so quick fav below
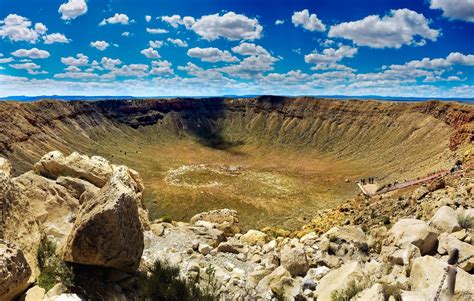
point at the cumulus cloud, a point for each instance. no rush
(125, 34)
(30, 67)
(307, 21)
(398, 28)
(116, 19)
(454, 58)
(155, 44)
(148, 18)
(150, 53)
(250, 49)
(455, 9)
(279, 22)
(161, 68)
(109, 63)
(79, 60)
(330, 55)
(174, 20)
(231, 26)
(33, 53)
(17, 28)
(41, 28)
(156, 30)
(212, 55)
(55, 38)
(178, 42)
(72, 9)
(100, 45)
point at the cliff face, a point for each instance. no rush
(391, 134)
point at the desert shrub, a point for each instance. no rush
(364, 248)
(162, 283)
(466, 221)
(352, 289)
(52, 269)
(167, 219)
(386, 220)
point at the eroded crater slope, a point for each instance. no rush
(276, 160)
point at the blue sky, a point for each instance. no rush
(291, 47)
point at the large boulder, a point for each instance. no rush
(426, 275)
(107, 231)
(225, 220)
(412, 231)
(5, 166)
(19, 221)
(293, 258)
(350, 234)
(339, 279)
(445, 220)
(373, 293)
(14, 271)
(448, 242)
(279, 282)
(95, 170)
(254, 237)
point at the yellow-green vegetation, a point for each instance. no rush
(53, 269)
(466, 221)
(346, 294)
(163, 283)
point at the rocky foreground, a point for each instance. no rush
(394, 247)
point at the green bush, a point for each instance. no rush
(162, 283)
(167, 219)
(53, 269)
(466, 221)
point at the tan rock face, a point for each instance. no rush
(14, 271)
(347, 233)
(5, 166)
(95, 170)
(254, 237)
(412, 231)
(226, 220)
(294, 260)
(339, 279)
(426, 274)
(107, 231)
(20, 226)
(445, 220)
(448, 242)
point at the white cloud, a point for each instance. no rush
(398, 28)
(231, 26)
(251, 66)
(178, 42)
(17, 28)
(125, 34)
(109, 63)
(100, 45)
(155, 44)
(307, 21)
(40, 28)
(156, 30)
(212, 55)
(33, 53)
(150, 53)
(6, 60)
(279, 22)
(250, 49)
(138, 70)
(454, 58)
(25, 66)
(147, 18)
(79, 60)
(30, 67)
(55, 38)
(455, 9)
(174, 20)
(330, 55)
(161, 68)
(72, 9)
(116, 19)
